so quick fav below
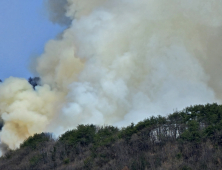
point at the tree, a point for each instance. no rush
(34, 81)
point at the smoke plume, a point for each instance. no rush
(118, 62)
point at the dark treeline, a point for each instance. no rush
(185, 140)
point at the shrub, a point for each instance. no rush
(35, 140)
(34, 160)
(105, 136)
(193, 134)
(84, 135)
(66, 161)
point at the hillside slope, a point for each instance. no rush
(187, 140)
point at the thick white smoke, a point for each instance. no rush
(120, 61)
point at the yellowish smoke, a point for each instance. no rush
(23, 110)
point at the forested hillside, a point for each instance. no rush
(184, 140)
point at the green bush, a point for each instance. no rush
(66, 161)
(35, 140)
(127, 132)
(34, 160)
(88, 163)
(84, 135)
(105, 136)
(192, 134)
(179, 156)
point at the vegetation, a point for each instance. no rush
(34, 81)
(186, 140)
(36, 140)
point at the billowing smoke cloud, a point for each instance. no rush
(23, 110)
(57, 12)
(119, 61)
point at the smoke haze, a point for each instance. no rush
(118, 62)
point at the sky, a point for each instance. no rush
(24, 30)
